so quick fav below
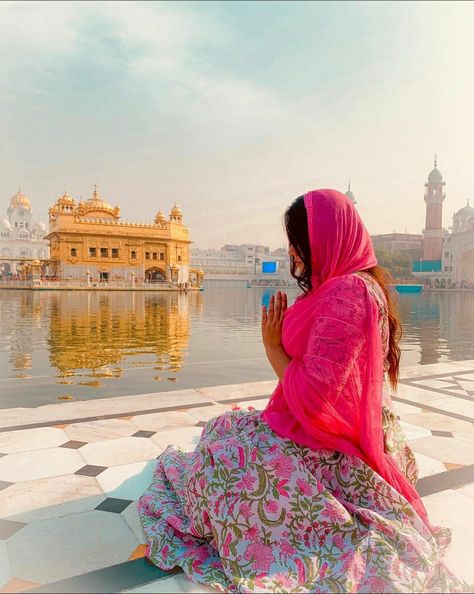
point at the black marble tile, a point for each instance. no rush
(73, 445)
(437, 433)
(90, 470)
(144, 434)
(113, 505)
(117, 578)
(8, 527)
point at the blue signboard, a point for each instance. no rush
(270, 267)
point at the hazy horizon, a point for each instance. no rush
(233, 109)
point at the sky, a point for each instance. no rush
(233, 109)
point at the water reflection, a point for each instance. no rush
(98, 341)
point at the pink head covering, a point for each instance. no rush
(339, 241)
(331, 392)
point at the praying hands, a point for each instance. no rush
(272, 322)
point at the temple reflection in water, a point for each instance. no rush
(97, 333)
(96, 344)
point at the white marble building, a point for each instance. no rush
(21, 237)
(458, 248)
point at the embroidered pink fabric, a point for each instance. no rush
(331, 394)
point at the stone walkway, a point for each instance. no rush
(70, 475)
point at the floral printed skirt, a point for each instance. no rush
(249, 511)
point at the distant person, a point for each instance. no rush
(317, 492)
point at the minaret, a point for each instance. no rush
(433, 233)
(350, 194)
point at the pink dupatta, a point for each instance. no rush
(331, 393)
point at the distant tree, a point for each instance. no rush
(398, 263)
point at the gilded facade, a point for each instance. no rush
(90, 242)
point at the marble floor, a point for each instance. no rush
(70, 475)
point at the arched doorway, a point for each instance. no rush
(154, 274)
(5, 269)
(466, 266)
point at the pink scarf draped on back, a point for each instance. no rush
(331, 393)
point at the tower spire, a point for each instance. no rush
(436, 161)
(349, 186)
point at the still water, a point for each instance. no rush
(59, 346)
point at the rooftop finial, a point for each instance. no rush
(349, 184)
(95, 190)
(468, 202)
(436, 161)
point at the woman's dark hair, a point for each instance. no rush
(296, 225)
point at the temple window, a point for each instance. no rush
(133, 255)
(179, 257)
(147, 255)
(73, 253)
(115, 253)
(162, 256)
(104, 252)
(92, 252)
(155, 256)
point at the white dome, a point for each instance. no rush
(40, 225)
(465, 212)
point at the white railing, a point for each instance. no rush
(83, 284)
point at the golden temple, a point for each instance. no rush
(90, 242)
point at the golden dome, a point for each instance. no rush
(176, 211)
(66, 199)
(19, 200)
(97, 202)
(160, 217)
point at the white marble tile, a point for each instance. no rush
(185, 439)
(455, 405)
(259, 404)
(100, 430)
(43, 499)
(230, 391)
(402, 409)
(413, 431)
(31, 439)
(467, 435)
(10, 417)
(435, 369)
(29, 466)
(204, 413)
(5, 571)
(128, 481)
(63, 547)
(455, 510)
(162, 421)
(428, 466)
(175, 584)
(467, 490)
(117, 452)
(437, 421)
(445, 449)
(102, 406)
(417, 394)
(132, 518)
(435, 383)
(466, 385)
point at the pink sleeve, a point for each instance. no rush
(337, 336)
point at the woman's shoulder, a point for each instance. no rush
(355, 287)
